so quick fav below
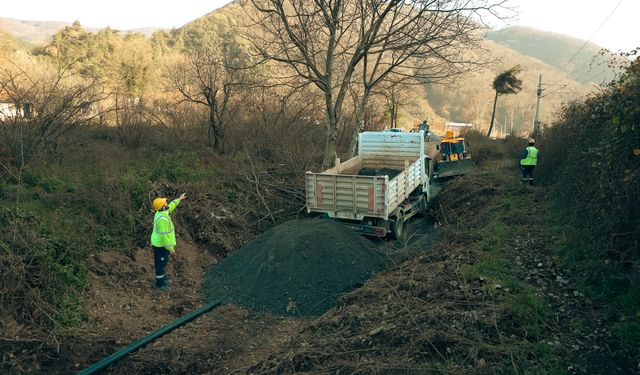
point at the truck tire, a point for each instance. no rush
(397, 227)
(423, 204)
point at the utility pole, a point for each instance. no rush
(536, 122)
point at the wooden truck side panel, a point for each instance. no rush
(404, 184)
(346, 196)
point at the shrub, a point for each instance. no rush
(591, 160)
(483, 148)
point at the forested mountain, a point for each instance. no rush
(582, 61)
(471, 99)
(40, 32)
(566, 74)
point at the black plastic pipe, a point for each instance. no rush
(149, 338)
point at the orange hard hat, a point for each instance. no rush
(158, 203)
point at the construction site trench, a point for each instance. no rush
(473, 287)
(269, 288)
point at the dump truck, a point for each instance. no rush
(378, 190)
(454, 158)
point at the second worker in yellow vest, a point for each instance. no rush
(528, 161)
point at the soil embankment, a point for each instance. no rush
(492, 296)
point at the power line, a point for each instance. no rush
(584, 65)
(596, 75)
(595, 32)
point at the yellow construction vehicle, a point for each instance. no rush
(454, 158)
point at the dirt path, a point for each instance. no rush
(122, 306)
(577, 327)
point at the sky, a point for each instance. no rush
(593, 20)
(607, 23)
(118, 14)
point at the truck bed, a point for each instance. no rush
(344, 192)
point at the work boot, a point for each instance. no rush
(164, 288)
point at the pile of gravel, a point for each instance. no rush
(297, 268)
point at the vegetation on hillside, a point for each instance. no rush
(591, 159)
(584, 62)
(94, 196)
(97, 124)
(465, 101)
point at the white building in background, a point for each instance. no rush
(9, 110)
(459, 126)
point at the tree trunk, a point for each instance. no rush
(394, 115)
(493, 114)
(356, 127)
(331, 133)
(330, 153)
(214, 136)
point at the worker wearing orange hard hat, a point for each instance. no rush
(163, 238)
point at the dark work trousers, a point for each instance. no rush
(160, 260)
(527, 174)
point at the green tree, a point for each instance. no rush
(70, 46)
(505, 83)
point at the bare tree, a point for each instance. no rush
(49, 102)
(327, 41)
(210, 73)
(396, 95)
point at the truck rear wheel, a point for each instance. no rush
(423, 204)
(397, 227)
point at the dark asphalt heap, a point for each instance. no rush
(297, 268)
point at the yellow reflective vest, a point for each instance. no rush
(164, 234)
(532, 156)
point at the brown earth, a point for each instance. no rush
(426, 314)
(439, 312)
(122, 306)
(125, 307)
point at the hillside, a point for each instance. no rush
(36, 32)
(557, 50)
(9, 44)
(40, 32)
(566, 75)
(553, 49)
(471, 99)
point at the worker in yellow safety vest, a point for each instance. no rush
(528, 161)
(163, 238)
